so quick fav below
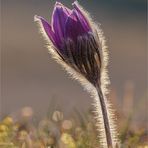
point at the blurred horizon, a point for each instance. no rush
(31, 78)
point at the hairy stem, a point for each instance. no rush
(105, 117)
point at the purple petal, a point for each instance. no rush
(59, 17)
(81, 16)
(73, 27)
(47, 28)
(82, 21)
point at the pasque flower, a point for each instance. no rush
(78, 45)
(71, 34)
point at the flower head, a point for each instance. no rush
(72, 35)
(65, 24)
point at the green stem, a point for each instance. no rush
(105, 117)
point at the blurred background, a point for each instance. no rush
(29, 77)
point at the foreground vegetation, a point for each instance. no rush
(57, 130)
(54, 131)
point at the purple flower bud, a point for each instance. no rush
(74, 40)
(65, 24)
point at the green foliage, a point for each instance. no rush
(56, 132)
